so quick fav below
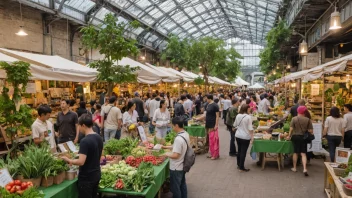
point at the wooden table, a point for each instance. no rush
(333, 190)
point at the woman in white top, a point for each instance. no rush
(244, 135)
(161, 120)
(334, 130)
(128, 118)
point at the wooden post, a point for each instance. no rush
(323, 99)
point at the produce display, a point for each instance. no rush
(125, 177)
(18, 188)
(123, 146)
(135, 162)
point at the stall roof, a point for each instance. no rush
(256, 86)
(56, 63)
(220, 81)
(239, 81)
(44, 73)
(185, 77)
(171, 76)
(146, 74)
(194, 76)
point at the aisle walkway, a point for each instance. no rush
(220, 178)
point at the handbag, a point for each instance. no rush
(307, 137)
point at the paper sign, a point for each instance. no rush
(314, 89)
(142, 134)
(5, 177)
(316, 143)
(62, 148)
(31, 88)
(71, 146)
(342, 155)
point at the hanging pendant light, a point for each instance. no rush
(303, 48)
(335, 20)
(21, 32)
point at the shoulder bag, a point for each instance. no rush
(307, 137)
(234, 129)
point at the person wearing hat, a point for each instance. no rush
(140, 106)
(348, 131)
(299, 125)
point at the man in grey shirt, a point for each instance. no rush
(178, 185)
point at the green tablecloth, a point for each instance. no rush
(67, 189)
(196, 131)
(269, 146)
(161, 173)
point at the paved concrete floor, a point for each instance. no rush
(220, 178)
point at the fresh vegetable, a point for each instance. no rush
(342, 165)
(138, 152)
(135, 162)
(107, 179)
(158, 153)
(170, 137)
(124, 146)
(119, 184)
(18, 187)
(144, 177)
(29, 192)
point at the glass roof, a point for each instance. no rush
(246, 19)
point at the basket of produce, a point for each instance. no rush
(340, 170)
(347, 189)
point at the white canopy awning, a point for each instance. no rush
(55, 63)
(46, 73)
(146, 74)
(171, 77)
(222, 82)
(326, 68)
(239, 81)
(175, 73)
(256, 86)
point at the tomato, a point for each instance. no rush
(18, 188)
(18, 182)
(8, 188)
(29, 183)
(11, 183)
(13, 190)
(24, 186)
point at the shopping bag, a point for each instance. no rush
(214, 143)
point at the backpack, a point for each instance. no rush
(230, 120)
(190, 157)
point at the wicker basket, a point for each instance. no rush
(347, 191)
(339, 171)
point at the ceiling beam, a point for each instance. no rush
(61, 5)
(227, 17)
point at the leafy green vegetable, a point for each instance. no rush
(170, 137)
(124, 146)
(12, 166)
(107, 180)
(158, 153)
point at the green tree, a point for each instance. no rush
(176, 51)
(111, 43)
(271, 54)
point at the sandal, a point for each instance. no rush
(244, 170)
(293, 170)
(214, 158)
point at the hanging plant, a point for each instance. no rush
(20, 118)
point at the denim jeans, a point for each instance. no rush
(109, 134)
(87, 189)
(151, 126)
(333, 142)
(232, 141)
(178, 185)
(347, 140)
(118, 134)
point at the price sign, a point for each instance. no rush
(71, 146)
(5, 177)
(314, 89)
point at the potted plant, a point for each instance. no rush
(34, 162)
(60, 168)
(48, 178)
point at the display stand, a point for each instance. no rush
(333, 190)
